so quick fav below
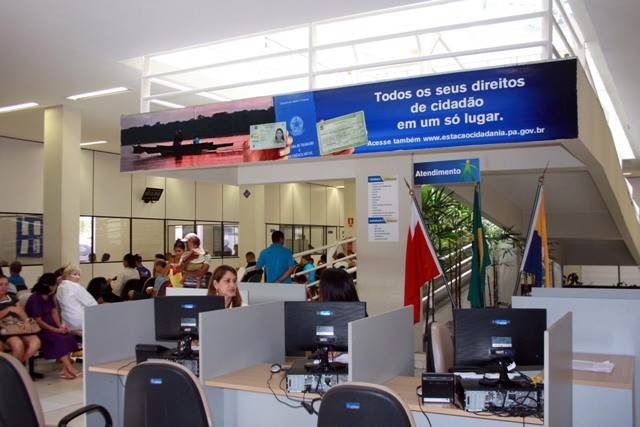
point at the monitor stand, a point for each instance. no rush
(503, 381)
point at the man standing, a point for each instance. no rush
(277, 260)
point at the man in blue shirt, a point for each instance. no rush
(277, 260)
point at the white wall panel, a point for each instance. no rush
(181, 199)
(286, 203)
(208, 201)
(111, 189)
(86, 182)
(318, 204)
(141, 209)
(22, 175)
(301, 193)
(230, 203)
(272, 204)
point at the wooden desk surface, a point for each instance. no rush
(254, 379)
(621, 377)
(117, 367)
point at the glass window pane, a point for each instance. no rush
(175, 230)
(230, 239)
(20, 239)
(147, 237)
(112, 238)
(86, 240)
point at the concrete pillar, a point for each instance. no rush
(61, 205)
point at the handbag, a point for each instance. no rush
(13, 326)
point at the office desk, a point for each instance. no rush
(600, 398)
(243, 398)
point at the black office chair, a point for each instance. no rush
(254, 276)
(162, 290)
(354, 404)
(130, 285)
(164, 394)
(19, 401)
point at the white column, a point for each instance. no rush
(61, 205)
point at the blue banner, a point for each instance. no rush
(447, 172)
(523, 103)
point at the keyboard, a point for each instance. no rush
(587, 365)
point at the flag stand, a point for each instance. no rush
(531, 225)
(444, 278)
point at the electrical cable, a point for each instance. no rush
(420, 405)
(118, 372)
(276, 396)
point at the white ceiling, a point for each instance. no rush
(53, 49)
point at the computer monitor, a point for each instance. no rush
(177, 316)
(320, 326)
(489, 336)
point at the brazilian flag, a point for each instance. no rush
(481, 258)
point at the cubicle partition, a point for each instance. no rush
(235, 339)
(558, 374)
(111, 332)
(381, 347)
(603, 325)
(271, 292)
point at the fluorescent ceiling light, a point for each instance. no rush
(18, 107)
(102, 92)
(93, 142)
(166, 103)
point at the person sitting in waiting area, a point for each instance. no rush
(159, 270)
(22, 346)
(142, 270)
(250, 270)
(57, 340)
(97, 287)
(129, 272)
(15, 278)
(72, 299)
(224, 282)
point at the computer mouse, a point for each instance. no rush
(275, 368)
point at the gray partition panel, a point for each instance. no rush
(558, 374)
(111, 331)
(271, 292)
(381, 347)
(237, 338)
(600, 326)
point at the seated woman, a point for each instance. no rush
(57, 340)
(72, 299)
(224, 282)
(129, 272)
(22, 346)
(337, 285)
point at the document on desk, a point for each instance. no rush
(342, 132)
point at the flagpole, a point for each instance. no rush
(531, 225)
(444, 278)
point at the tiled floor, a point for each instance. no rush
(58, 396)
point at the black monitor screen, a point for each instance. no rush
(484, 335)
(177, 316)
(309, 324)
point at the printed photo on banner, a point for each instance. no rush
(268, 136)
(341, 133)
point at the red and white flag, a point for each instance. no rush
(421, 263)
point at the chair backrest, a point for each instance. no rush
(439, 348)
(19, 401)
(254, 276)
(356, 404)
(162, 290)
(163, 394)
